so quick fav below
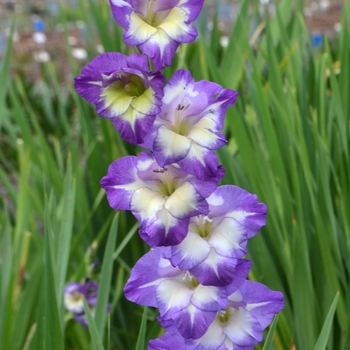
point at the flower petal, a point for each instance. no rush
(202, 133)
(175, 26)
(146, 203)
(235, 202)
(123, 90)
(228, 237)
(212, 339)
(209, 298)
(172, 296)
(200, 162)
(192, 322)
(186, 202)
(120, 182)
(169, 147)
(144, 279)
(190, 252)
(164, 231)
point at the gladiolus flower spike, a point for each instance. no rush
(195, 273)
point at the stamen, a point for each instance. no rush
(221, 313)
(187, 277)
(162, 171)
(207, 219)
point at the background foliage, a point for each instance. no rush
(288, 143)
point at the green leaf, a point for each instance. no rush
(106, 277)
(65, 234)
(52, 325)
(268, 345)
(96, 342)
(140, 345)
(327, 326)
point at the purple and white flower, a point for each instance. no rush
(75, 293)
(215, 241)
(188, 129)
(178, 294)
(162, 199)
(240, 325)
(157, 27)
(123, 90)
(73, 297)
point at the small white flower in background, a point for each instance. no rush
(79, 53)
(39, 38)
(41, 56)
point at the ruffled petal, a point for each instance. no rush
(144, 279)
(192, 322)
(190, 252)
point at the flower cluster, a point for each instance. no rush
(195, 273)
(75, 293)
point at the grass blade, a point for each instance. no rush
(106, 277)
(140, 345)
(327, 326)
(269, 338)
(65, 235)
(96, 342)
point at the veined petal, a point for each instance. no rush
(261, 301)
(212, 339)
(164, 231)
(186, 202)
(161, 5)
(146, 102)
(121, 11)
(200, 162)
(120, 182)
(209, 298)
(168, 341)
(192, 7)
(243, 328)
(144, 279)
(172, 296)
(160, 48)
(215, 270)
(235, 202)
(139, 31)
(192, 322)
(228, 238)
(203, 134)
(175, 26)
(133, 125)
(169, 147)
(190, 252)
(219, 100)
(114, 98)
(181, 81)
(146, 203)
